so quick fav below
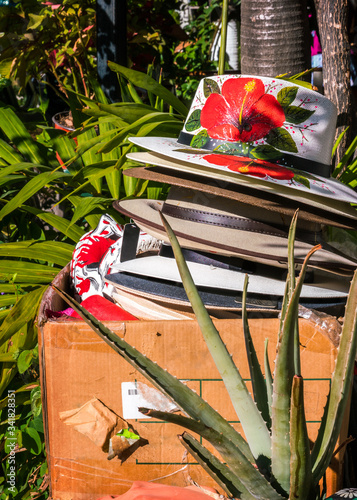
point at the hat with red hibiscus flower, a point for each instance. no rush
(268, 133)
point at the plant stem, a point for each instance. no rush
(222, 48)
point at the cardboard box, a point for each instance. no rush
(76, 366)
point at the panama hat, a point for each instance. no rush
(244, 194)
(157, 277)
(268, 133)
(224, 226)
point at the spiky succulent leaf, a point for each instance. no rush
(224, 476)
(340, 386)
(268, 377)
(188, 400)
(300, 462)
(216, 469)
(283, 377)
(254, 427)
(256, 375)
(248, 479)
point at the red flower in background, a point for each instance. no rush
(257, 168)
(242, 112)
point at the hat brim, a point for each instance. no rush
(209, 276)
(242, 194)
(257, 246)
(312, 198)
(283, 180)
(174, 293)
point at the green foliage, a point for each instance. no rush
(24, 466)
(49, 38)
(285, 468)
(193, 57)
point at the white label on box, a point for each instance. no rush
(136, 395)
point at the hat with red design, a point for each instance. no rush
(270, 134)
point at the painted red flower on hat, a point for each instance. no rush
(257, 168)
(242, 112)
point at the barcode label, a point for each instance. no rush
(136, 395)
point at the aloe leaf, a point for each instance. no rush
(254, 427)
(268, 376)
(283, 377)
(210, 463)
(189, 401)
(256, 485)
(146, 82)
(32, 187)
(218, 471)
(340, 386)
(243, 474)
(300, 462)
(290, 280)
(257, 378)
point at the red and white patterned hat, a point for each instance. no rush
(271, 134)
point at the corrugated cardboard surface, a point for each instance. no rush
(76, 365)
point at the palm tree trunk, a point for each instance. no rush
(275, 37)
(332, 16)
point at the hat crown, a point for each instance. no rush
(267, 116)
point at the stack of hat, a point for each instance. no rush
(251, 152)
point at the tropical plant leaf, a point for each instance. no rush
(22, 166)
(25, 309)
(55, 252)
(17, 133)
(8, 153)
(27, 271)
(71, 230)
(146, 82)
(32, 187)
(87, 205)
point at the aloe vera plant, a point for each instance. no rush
(274, 461)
